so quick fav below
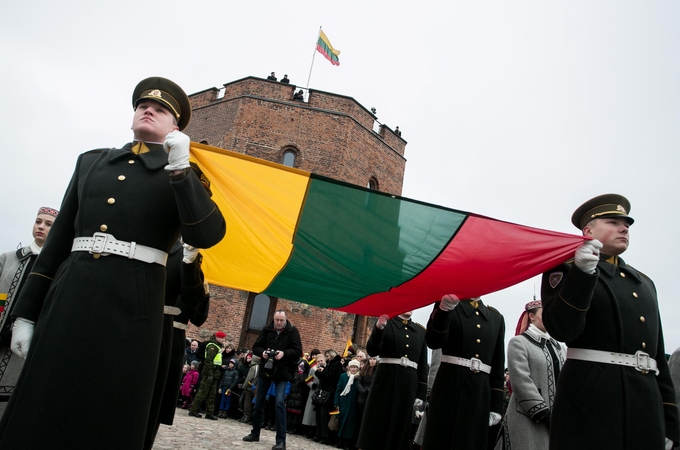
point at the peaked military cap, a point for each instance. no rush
(606, 205)
(168, 94)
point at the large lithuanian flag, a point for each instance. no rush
(303, 237)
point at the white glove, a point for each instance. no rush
(494, 418)
(669, 444)
(382, 321)
(588, 255)
(22, 334)
(449, 301)
(177, 145)
(190, 253)
(418, 403)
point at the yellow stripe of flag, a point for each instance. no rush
(261, 202)
(323, 36)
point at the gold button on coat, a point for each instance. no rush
(132, 161)
(478, 341)
(407, 335)
(103, 227)
(121, 177)
(406, 345)
(622, 274)
(477, 312)
(644, 345)
(96, 255)
(477, 355)
(635, 294)
(642, 319)
(479, 326)
(111, 201)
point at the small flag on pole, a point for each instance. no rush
(349, 344)
(326, 49)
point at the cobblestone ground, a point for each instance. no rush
(191, 433)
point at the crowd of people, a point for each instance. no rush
(346, 379)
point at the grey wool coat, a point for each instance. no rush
(103, 307)
(533, 372)
(14, 267)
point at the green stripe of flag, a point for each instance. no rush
(355, 242)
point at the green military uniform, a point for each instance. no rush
(210, 376)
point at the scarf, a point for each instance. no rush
(533, 329)
(348, 387)
(35, 248)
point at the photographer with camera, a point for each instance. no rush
(280, 347)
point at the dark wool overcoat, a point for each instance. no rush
(106, 306)
(389, 408)
(601, 405)
(183, 282)
(461, 399)
(197, 315)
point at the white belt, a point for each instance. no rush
(180, 325)
(475, 365)
(403, 361)
(171, 310)
(640, 361)
(105, 244)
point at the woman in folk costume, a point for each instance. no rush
(14, 267)
(534, 363)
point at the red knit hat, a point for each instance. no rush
(220, 334)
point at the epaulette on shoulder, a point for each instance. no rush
(569, 261)
(96, 150)
(494, 309)
(419, 325)
(640, 273)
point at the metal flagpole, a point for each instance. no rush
(313, 55)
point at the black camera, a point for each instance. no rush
(269, 365)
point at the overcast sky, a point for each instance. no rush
(516, 110)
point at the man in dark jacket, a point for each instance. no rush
(280, 347)
(100, 281)
(191, 353)
(615, 389)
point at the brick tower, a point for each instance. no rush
(328, 134)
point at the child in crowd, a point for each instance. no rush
(229, 382)
(188, 389)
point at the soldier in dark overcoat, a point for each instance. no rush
(615, 389)
(184, 294)
(467, 393)
(399, 380)
(99, 283)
